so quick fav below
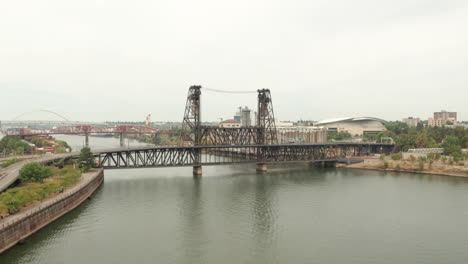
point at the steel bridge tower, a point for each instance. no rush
(193, 134)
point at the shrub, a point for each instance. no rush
(430, 164)
(385, 165)
(421, 165)
(398, 167)
(431, 155)
(396, 156)
(450, 162)
(461, 163)
(422, 158)
(10, 202)
(34, 172)
(444, 159)
(412, 158)
(457, 156)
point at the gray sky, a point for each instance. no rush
(120, 60)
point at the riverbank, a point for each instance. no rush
(19, 226)
(438, 168)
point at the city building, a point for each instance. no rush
(443, 118)
(244, 116)
(356, 126)
(230, 123)
(411, 121)
(148, 120)
(246, 119)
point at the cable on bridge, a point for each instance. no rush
(224, 91)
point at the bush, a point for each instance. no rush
(444, 159)
(396, 156)
(34, 172)
(398, 167)
(421, 165)
(431, 155)
(412, 158)
(450, 162)
(457, 156)
(385, 165)
(430, 164)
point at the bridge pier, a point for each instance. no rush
(261, 167)
(122, 142)
(197, 171)
(87, 140)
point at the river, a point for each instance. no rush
(292, 214)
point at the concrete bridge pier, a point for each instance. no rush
(122, 143)
(197, 171)
(261, 167)
(87, 140)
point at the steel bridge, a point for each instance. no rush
(203, 145)
(236, 154)
(87, 130)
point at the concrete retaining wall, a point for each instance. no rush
(17, 227)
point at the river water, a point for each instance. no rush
(292, 214)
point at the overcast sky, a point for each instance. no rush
(120, 60)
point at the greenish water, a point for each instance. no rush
(292, 214)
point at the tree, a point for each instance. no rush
(34, 172)
(397, 127)
(86, 160)
(19, 150)
(405, 142)
(420, 126)
(451, 144)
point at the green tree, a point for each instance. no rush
(86, 160)
(19, 150)
(405, 142)
(397, 127)
(451, 144)
(34, 172)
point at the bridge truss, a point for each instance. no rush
(221, 155)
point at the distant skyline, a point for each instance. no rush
(121, 60)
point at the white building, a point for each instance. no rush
(356, 126)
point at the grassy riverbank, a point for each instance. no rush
(28, 193)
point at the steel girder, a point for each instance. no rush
(218, 155)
